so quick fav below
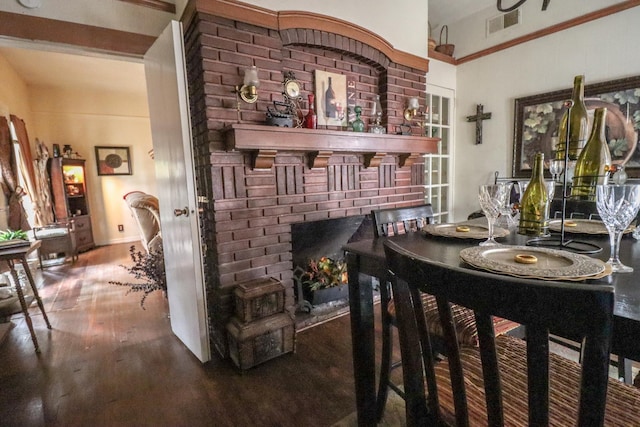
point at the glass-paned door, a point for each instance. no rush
(438, 123)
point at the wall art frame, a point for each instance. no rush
(537, 119)
(338, 114)
(111, 160)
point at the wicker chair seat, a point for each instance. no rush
(623, 400)
(463, 318)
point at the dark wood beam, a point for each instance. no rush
(70, 33)
(154, 4)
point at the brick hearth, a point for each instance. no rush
(248, 207)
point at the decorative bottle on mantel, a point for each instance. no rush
(594, 163)
(578, 123)
(534, 206)
(358, 124)
(311, 119)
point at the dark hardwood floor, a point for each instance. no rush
(107, 362)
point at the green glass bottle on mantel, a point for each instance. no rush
(534, 205)
(594, 162)
(358, 124)
(578, 123)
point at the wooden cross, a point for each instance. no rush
(478, 118)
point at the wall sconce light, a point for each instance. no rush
(248, 92)
(413, 105)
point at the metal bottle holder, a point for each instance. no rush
(559, 242)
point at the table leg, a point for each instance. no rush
(363, 342)
(34, 288)
(23, 305)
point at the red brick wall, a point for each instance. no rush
(247, 223)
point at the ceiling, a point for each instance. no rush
(81, 72)
(62, 70)
(447, 11)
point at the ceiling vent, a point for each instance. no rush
(503, 21)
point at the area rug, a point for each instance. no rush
(394, 415)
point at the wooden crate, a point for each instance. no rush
(253, 343)
(259, 298)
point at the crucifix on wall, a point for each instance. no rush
(478, 118)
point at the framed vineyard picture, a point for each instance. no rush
(537, 120)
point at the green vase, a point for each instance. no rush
(358, 124)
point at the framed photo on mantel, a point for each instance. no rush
(113, 161)
(331, 98)
(537, 119)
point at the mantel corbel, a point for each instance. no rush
(407, 159)
(263, 159)
(319, 159)
(373, 160)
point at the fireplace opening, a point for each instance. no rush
(313, 241)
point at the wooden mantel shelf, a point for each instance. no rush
(265, 141)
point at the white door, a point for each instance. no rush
(171, 133)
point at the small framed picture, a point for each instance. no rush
(331, 98)
(113, 161)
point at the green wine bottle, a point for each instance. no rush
(594, 162)
(534, 205)
(578, 123)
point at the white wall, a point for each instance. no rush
(469, 35)
(85, 119)
(442, 74)
(403, 23)
(602, 50)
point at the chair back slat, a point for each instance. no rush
(455, 366)
(538, 374)
(486, 341)
(412, 359)
(574, 310)
(412, 218)
(427, 350)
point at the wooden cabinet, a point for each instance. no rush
(70, 199)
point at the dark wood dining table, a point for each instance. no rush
(366, 259)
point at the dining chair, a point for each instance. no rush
(506, 380)
(394, 221)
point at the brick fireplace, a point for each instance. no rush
(254, 180)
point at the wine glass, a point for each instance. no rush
(492, 199)
(555, 168)
(618, 206)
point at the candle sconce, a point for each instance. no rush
(413, 106)
(248, 92)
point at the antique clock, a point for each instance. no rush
(291, 87)
(292, 97)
